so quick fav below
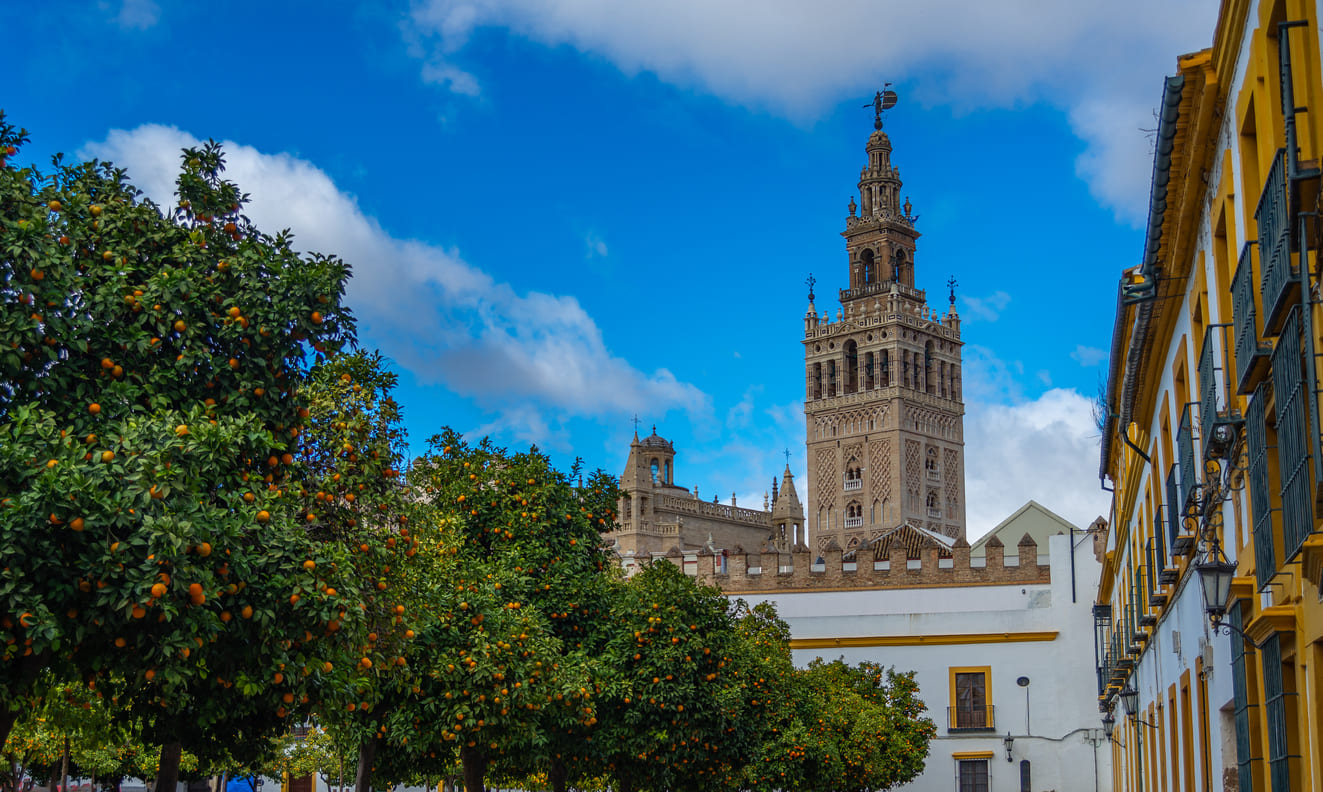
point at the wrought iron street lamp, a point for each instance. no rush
(1009, 741)
(1109, 724)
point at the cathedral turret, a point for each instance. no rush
(883, 383)
(788, 529)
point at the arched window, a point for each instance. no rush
(898, 265)
(851, 367)
(929, 381)
(654, 470)
(869, 271)
(817, 380)
(886, 369)
(668, 472)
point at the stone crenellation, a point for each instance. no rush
(736, 572)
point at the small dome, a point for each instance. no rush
(655, 440)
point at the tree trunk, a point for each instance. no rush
(475, 769)
(626, 784)
(367, 754)
(167, 773)
(64, 765)
(556, 775)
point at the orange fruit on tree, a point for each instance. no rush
(107, 456)
(204, 550)
(76, 524)
(263, 516)
(316, 317)
(180, 326)
(247, 612)
(158, 590)
(309, 564)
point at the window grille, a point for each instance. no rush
(972, 775)
(1251, 353)
(1256, 446)
(1275, 277)
(1185, 457)
(1274, 702)
(1240, 700)
(1292, 433)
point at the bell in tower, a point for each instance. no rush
(883, 407)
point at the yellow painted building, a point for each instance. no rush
(1212, 437)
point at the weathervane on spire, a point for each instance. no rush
(787, 457)
(810, 281)
(882, 100)
(952, 284)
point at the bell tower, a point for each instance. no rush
(882, 404)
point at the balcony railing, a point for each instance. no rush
(1256, 449)
(853, 485)
(1185, 457)
(935, 514)
(854, 522)
(1167, 572)
(1153, 553)
(1251, 353)
(1277, 282)
(962, 718)
(934, 475)
(1178, 539)
(1218, 421)
(1292, 438)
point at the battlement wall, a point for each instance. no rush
(736, 573)
(670, 504)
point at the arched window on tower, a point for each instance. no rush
(868, 265)
(854, 515)
(851, 367)
(668, 472)
(898, 266)
(870, 380)
(930, 465)
(817, 380)
(655, 468)
(886, 369)
(934, 505)
(831, 378)
(930, 382)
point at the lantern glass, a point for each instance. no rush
(1109, 723)
(1130, 700)
(1215, 579)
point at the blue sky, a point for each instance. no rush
(563, 213)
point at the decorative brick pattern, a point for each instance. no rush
(913, 468)
(828, 482)
(952, 475)
(879, 462)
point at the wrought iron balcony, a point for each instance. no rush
(1256, 448)
(1291, 392)
(1251, 352)
(1156, 564)
(963, 718)
(1219, 422)
(1279, 285)
(1179, 539)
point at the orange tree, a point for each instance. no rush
(351, 495)
(507, 542)
(679, 714)
(869, 734)
(149, 411)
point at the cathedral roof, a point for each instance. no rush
(913, 538)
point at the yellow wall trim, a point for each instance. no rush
(922, 640)
(972, 755)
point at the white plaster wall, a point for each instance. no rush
(1054, 720)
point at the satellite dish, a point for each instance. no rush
(888, 100)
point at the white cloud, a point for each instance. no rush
(535, 358)
(1101, 63)
(1045, 450)
(1087, 355)
(595, 244)
(987, 309)
(137, 14)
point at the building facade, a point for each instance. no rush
(998, 644)
(1212, 440)
(882, 403)
(658, 516)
